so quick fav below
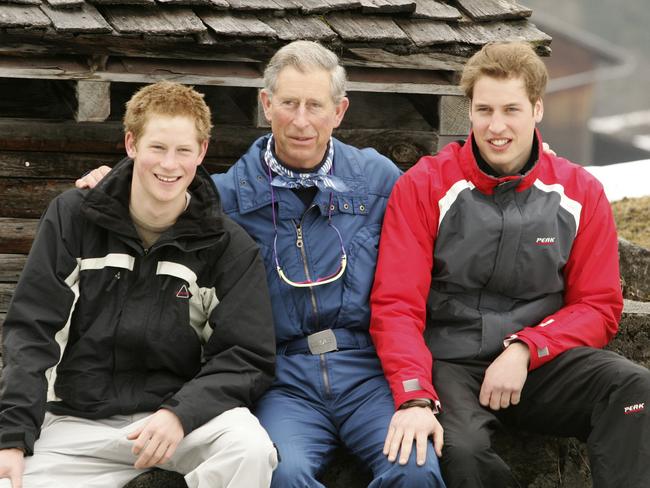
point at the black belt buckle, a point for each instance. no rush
(322, 342)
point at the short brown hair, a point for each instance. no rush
(503, 60)
(167, 98)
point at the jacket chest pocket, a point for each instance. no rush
(359, 275)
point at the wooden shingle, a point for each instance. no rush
(254, 5)
(124, 2)
(379, 58)
(216, 4)
(432, 9)
(387, 6)
(22, 16)
(366, 29)
(293, 27)
(20, 2)
(149, 21)
(66, 4)
(88, 19)
(323, 6)
(425, 32)
(479, 34)
(227, 24)
(484, 10)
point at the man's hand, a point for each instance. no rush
(91, 179)
(408, 425)
(505, 377)
(157, 440)
(12, 465)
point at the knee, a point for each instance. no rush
(426, 476)
(465, 449)
(292, 472)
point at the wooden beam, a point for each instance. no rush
(16, 235)
(11, 265)
(401, 146)
(454, 115)
(93, 101)
(6, 292)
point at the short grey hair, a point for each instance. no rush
(303, 56)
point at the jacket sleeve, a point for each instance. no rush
(239, 356)
(401, 288)
(593, 300)
(36, 320)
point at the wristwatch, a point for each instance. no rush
(417, 402)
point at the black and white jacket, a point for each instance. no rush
(99, 326)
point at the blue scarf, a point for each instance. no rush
(322, 178)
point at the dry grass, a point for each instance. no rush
(632, 216)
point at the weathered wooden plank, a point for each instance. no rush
(384, 111)
(6, 292)
(124, 2)
(86, 19)
(22, 2)
(227, 24)
(366, 29)
(27, 199)
(66, 4)
(323, 6)
(11, 266)
(254, 5)
(387, 6)
(480, 34)
(483, 10)
(402, 147)
(431, 9)
(379, 58)
(454, 115)
(70, 166)
(22, 16)
(16, 235)
(216, 4)
(293, 27)
(66, 137)
(93, 101)
(424, 32)
(51, 165)
(151, 21)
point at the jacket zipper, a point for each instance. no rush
(300, 244)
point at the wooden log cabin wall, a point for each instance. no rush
(68, 66)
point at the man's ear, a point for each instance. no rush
(340, 109)
(204, 150)
(265, 98)
(538, 111)
(129, 144)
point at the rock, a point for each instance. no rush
(157, 478)
(635, 270)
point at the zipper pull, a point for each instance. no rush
(113, 281)
(299, 242)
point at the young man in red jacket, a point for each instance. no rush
(500, 261)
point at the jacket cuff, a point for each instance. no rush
(411, 389)
(18, 439)
(538, 355)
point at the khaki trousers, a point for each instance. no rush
(232, 450)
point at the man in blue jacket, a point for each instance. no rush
(314, 206)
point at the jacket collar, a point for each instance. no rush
(254, 190)
(486, 183)
(107, 205)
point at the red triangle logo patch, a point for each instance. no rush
(183, 292)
